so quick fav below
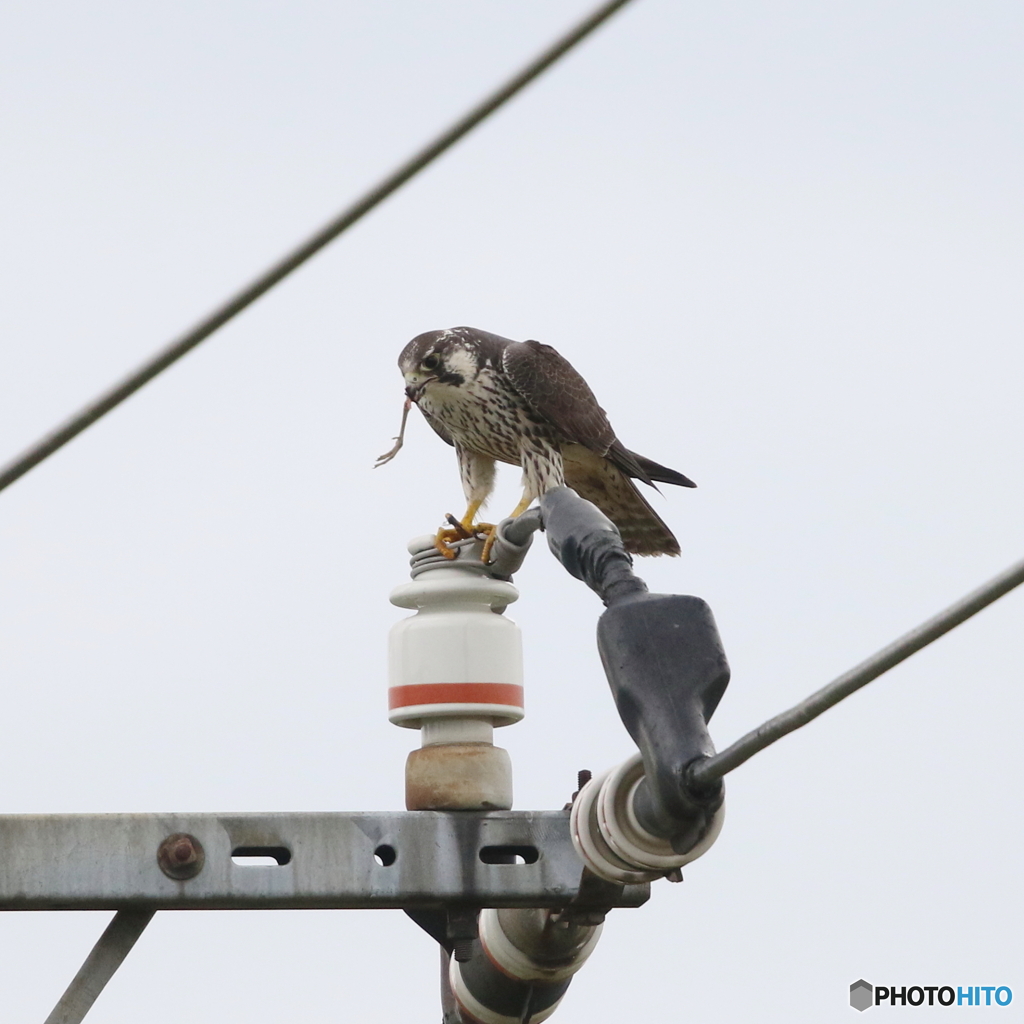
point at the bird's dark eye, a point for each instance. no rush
(432, 362)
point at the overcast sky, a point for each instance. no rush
(782, 241)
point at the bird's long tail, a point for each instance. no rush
(615, 494)
(662, 474)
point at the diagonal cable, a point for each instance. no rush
(710, 769)
(171, 353)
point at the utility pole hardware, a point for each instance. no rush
(515, 899)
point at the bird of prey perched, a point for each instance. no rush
(522, 403)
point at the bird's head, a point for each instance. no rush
(438, 359)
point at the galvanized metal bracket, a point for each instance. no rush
(406, 860)
(419, 861)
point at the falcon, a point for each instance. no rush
(522, 403)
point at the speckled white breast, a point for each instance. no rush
(481, 415)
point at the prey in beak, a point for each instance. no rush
(400, 440)
(413, 390)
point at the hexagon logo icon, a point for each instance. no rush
(860, 995)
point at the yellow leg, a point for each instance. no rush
(471, 511)
(521, 507)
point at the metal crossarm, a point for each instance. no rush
(408, 860)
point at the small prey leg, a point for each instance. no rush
(399, 441)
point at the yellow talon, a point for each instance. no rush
(461, 530)
(492, 534)
(442, 540)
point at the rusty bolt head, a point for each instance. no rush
(181, 856)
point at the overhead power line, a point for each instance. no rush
(171, 353)
(807, 710)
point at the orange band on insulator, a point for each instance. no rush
(455, 693)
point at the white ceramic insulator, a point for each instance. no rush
(458, 656)
(456, 730)
(593, 847)
(518, 963)
(610, 839)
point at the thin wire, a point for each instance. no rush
(717, 765)
(113, 397)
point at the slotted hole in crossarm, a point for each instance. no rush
(509, 854)
(260, 856)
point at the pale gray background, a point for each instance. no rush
(783, 243)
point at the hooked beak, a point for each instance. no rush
(413, 390)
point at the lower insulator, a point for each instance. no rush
(521, 966)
